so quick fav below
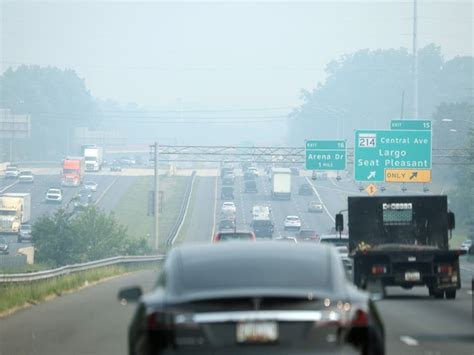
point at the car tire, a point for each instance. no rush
(438, 294)
(450, 294)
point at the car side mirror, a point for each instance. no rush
(451, 221)
(129, 295)
(339, 222)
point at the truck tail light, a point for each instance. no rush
(379, 269)
(445, 269)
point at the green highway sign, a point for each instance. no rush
(417, 125)
(325, 155)
(377, 151)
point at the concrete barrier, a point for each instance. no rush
(29, 252)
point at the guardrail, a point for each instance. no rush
(174, 232)
(70, 269)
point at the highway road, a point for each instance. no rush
(109, 191)
(91, 322)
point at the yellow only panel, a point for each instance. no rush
(407, 175)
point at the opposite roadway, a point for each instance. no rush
(91, 321)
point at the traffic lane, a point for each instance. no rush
(89, 321)
(202, 216)
(6, 183)
(418, 324)
(40, 208)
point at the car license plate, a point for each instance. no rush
(412, 276)
(257, 332)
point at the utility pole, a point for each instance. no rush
(415, 59)
(156, 195)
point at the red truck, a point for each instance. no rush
(73, 171)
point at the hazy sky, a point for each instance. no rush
(216, 55)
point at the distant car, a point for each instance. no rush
(24, 233)
(466, 245)
(305, 190)
(12, 172)
(228, 206)
(253, 170)
(338, 178)
(286, 239)
(227, 193)
(253, 298)
(54, 195)
(227, 224)
(4, 249)
(228, 179)
(115, 167)
(83, 199)
(308, 235)
(315, 207)
(90, 185)
(250, 186)
(26, 176)
(248, 175)
(292, 222)
(226, 236)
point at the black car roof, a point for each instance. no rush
(244, 269)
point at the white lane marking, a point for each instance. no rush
(319, 197)
(408, 340)
(185, 211)
(215, 208)
(105, 191)
(7, 187)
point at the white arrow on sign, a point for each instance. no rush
(371, 175)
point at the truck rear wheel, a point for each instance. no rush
(450, 294)
(438, 294)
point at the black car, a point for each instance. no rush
(227, 224)
(305, 190)
(253, 298)
(227, 193)
(250, 186)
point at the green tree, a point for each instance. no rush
(90, 234)
(57, 101)
(364, 90)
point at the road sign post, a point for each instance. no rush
(377, 154)
(325, 155)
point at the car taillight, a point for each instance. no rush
(217, 237)
(360, 319)
(445, 269)
(379, 269)
(151, 322)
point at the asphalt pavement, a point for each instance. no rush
(91, 321)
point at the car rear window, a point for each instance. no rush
(248, 272)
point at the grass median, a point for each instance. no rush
(18, 295)
(131, 210)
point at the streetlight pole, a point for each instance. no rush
(156, 197)
(415, 58)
